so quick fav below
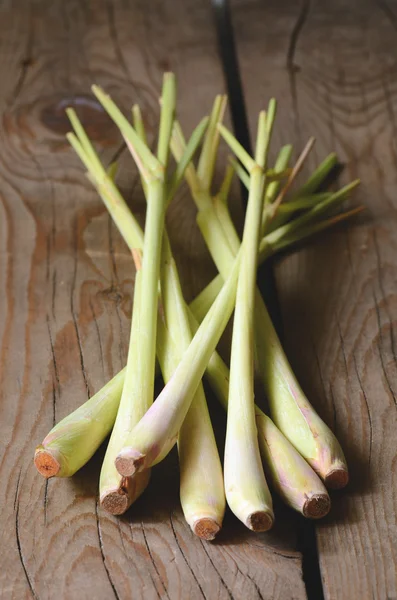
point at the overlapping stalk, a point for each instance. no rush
(117, 494)
(138, 390)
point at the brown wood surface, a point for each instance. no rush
(66, 280)
(332, 66)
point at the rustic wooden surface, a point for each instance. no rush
(332, 65)
(66, 280)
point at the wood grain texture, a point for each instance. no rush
(332, 66)
(67, 279)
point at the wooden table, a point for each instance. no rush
(66, 280)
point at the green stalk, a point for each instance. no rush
(72, 442)
(318, 176)
(308, 218)
(201, 479)
(315, 180)
(301, 425)
(246, 489)
(153, 170)
(288, 472)
(281, 165)
(117, 493)
(303, 203)
(163, 420)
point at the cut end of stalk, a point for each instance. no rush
(336, 479)
(129, 462)
(259, 521)
(116, 501)
(46, 463)
(317, 506)
(206, 529)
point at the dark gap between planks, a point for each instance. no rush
(306, 532)
(227, 51)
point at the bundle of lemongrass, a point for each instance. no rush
(292, 448)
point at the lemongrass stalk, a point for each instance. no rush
(273, 176)
(163, 420)
(139, 381)
(297, 236)
(319, 447)
(242, 174)
(289, 474)
(280, 166)
(312, 184)
(201, 479)
(309, 217)
(294, 173)
(303, 203)
(246, 488)
(154, 171)
(72, 442)
(207, 161)
(318, 176)
(220, 199)
(271, 209)
(114, 490)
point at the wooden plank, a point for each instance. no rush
(65, 309)
(332, 67)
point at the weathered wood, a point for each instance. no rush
(65, 309)
(332, 66)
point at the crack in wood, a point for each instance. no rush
(184, 557)
(153, 561)
(18, 540)
(102, 550)
(217, 572)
